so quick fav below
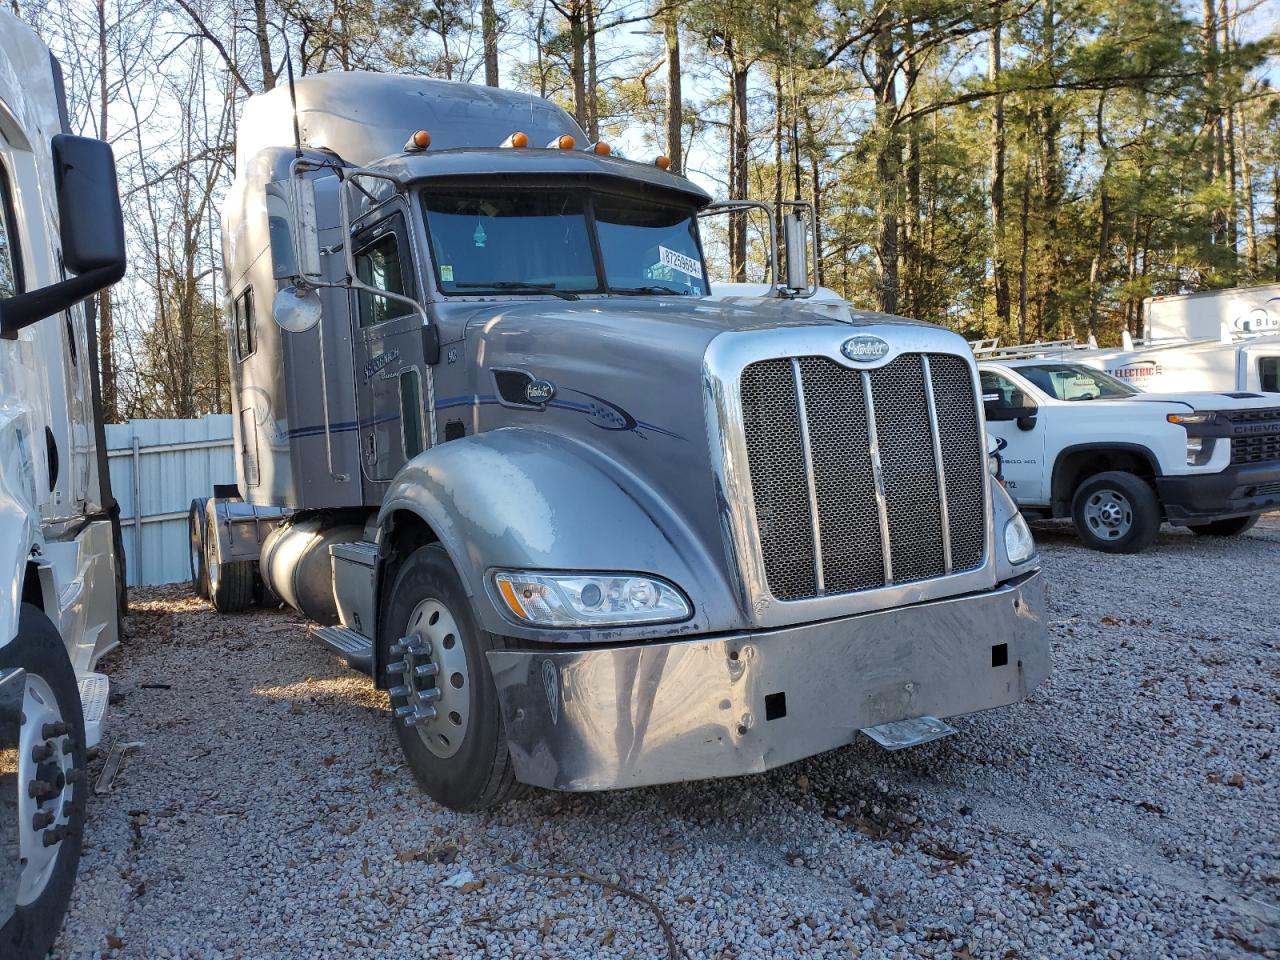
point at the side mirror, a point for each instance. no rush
(795, 240)
(1002, 413)
(91, 227)
(292, 230)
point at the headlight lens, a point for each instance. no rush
(1018, 543)
(590, 600)
(1199, 451)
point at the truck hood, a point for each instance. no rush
(1211, 400)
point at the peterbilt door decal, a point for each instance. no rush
(603, 413)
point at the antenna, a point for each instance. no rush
(293, 100)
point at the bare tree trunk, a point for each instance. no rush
(999, 281)
(1050, 182)
(1023, 245)
(578, 67)
(1099, 256)
(106, 322)
(1230, 169)
(1216, 159)
(675, 98)
(264, 44)
(489, 30)
(593, 102)
(887, 168)
(738, 187)
(819, 274)
(913, 302)
(1250, 215)
(777, 148)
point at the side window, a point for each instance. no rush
(1002, 393)
(381, 262)
(242, 316)
(10, 260)
(411, 408)
(1269, 374)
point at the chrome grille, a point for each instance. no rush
(823, 527)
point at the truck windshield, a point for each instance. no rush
(486, 240)
(1072, 381)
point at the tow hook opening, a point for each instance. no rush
(1000, 655)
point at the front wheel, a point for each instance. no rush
(51, 789)
(1225, 528)
(197, 559)
(443, 701)
(1116, 512)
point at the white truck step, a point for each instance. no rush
(94, 688)
(901, 734)
(353, 647)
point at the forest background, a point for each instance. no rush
(1025, 169)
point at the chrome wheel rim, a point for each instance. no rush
(45, 786)
(1108, 514)
(432, 692)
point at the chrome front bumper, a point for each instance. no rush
(599, 719)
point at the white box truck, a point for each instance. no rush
(61, 240)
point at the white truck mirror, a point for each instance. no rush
(296, 309)
(795, 239)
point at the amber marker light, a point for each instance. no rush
(419, 141)
(566, 142)
(602, 148)
(519, 139)
(663, 163)
(509, 595)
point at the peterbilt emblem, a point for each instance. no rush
(551, 687)
(864, 348)
(539, 391)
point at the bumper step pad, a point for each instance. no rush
(355, 648)
(901, 734)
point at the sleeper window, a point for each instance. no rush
(1269, 374)
(242, 316)
(10, 277)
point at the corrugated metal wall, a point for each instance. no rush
(157, 468)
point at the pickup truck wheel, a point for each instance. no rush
(52, 787)
(1225, 528)
(443, 701)
(1116, 512)
(230, 582)
(198, 562)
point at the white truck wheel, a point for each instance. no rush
(1116, 512)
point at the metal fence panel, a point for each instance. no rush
(157, 468)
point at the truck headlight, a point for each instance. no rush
(590, 599)
(1199, 451)
(1019, 546)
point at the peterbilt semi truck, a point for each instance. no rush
(590, 526)
(61, 240)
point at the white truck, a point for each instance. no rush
(61, 240)
(1076, 442)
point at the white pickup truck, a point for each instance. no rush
(1077, 442)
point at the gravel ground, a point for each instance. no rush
(1129, 809)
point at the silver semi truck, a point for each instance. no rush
(590, 526)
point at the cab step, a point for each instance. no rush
(900, 734)
(94, 688)
(355, 648)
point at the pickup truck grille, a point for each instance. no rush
(1256, 447)
(818, 433)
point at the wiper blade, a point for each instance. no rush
(648, 290)
(519, 285)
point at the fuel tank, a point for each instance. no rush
(295, 563)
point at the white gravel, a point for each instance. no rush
(1130, 809)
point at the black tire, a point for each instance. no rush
(480, 774)
(1225, 528)
(199, 563)
(1132, 497)
(39, 649)
(231, 583)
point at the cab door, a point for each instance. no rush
(1013, 418)
(388, 343)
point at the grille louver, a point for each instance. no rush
(817, 433)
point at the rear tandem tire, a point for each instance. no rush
(231, 583)
(1225, 528)
(475, 771)
(39, 649)
(1116, 512)
(199, 562)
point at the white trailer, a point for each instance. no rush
(1203, 316)
(61, 240)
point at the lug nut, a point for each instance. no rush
(426, 670)
(406, 711)
(93, 753)
(55, 835)
(41, 820)
(75, 775)
(69, 745)
(51, 730)
(399, 691)
(428, 696)
(41, 790)
(398, 667)
(41, 752)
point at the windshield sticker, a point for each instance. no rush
(679, 262)
(446, 272)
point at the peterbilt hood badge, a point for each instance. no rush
(539, 391)
(864, 348)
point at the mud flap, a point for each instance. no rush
(900, 734)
